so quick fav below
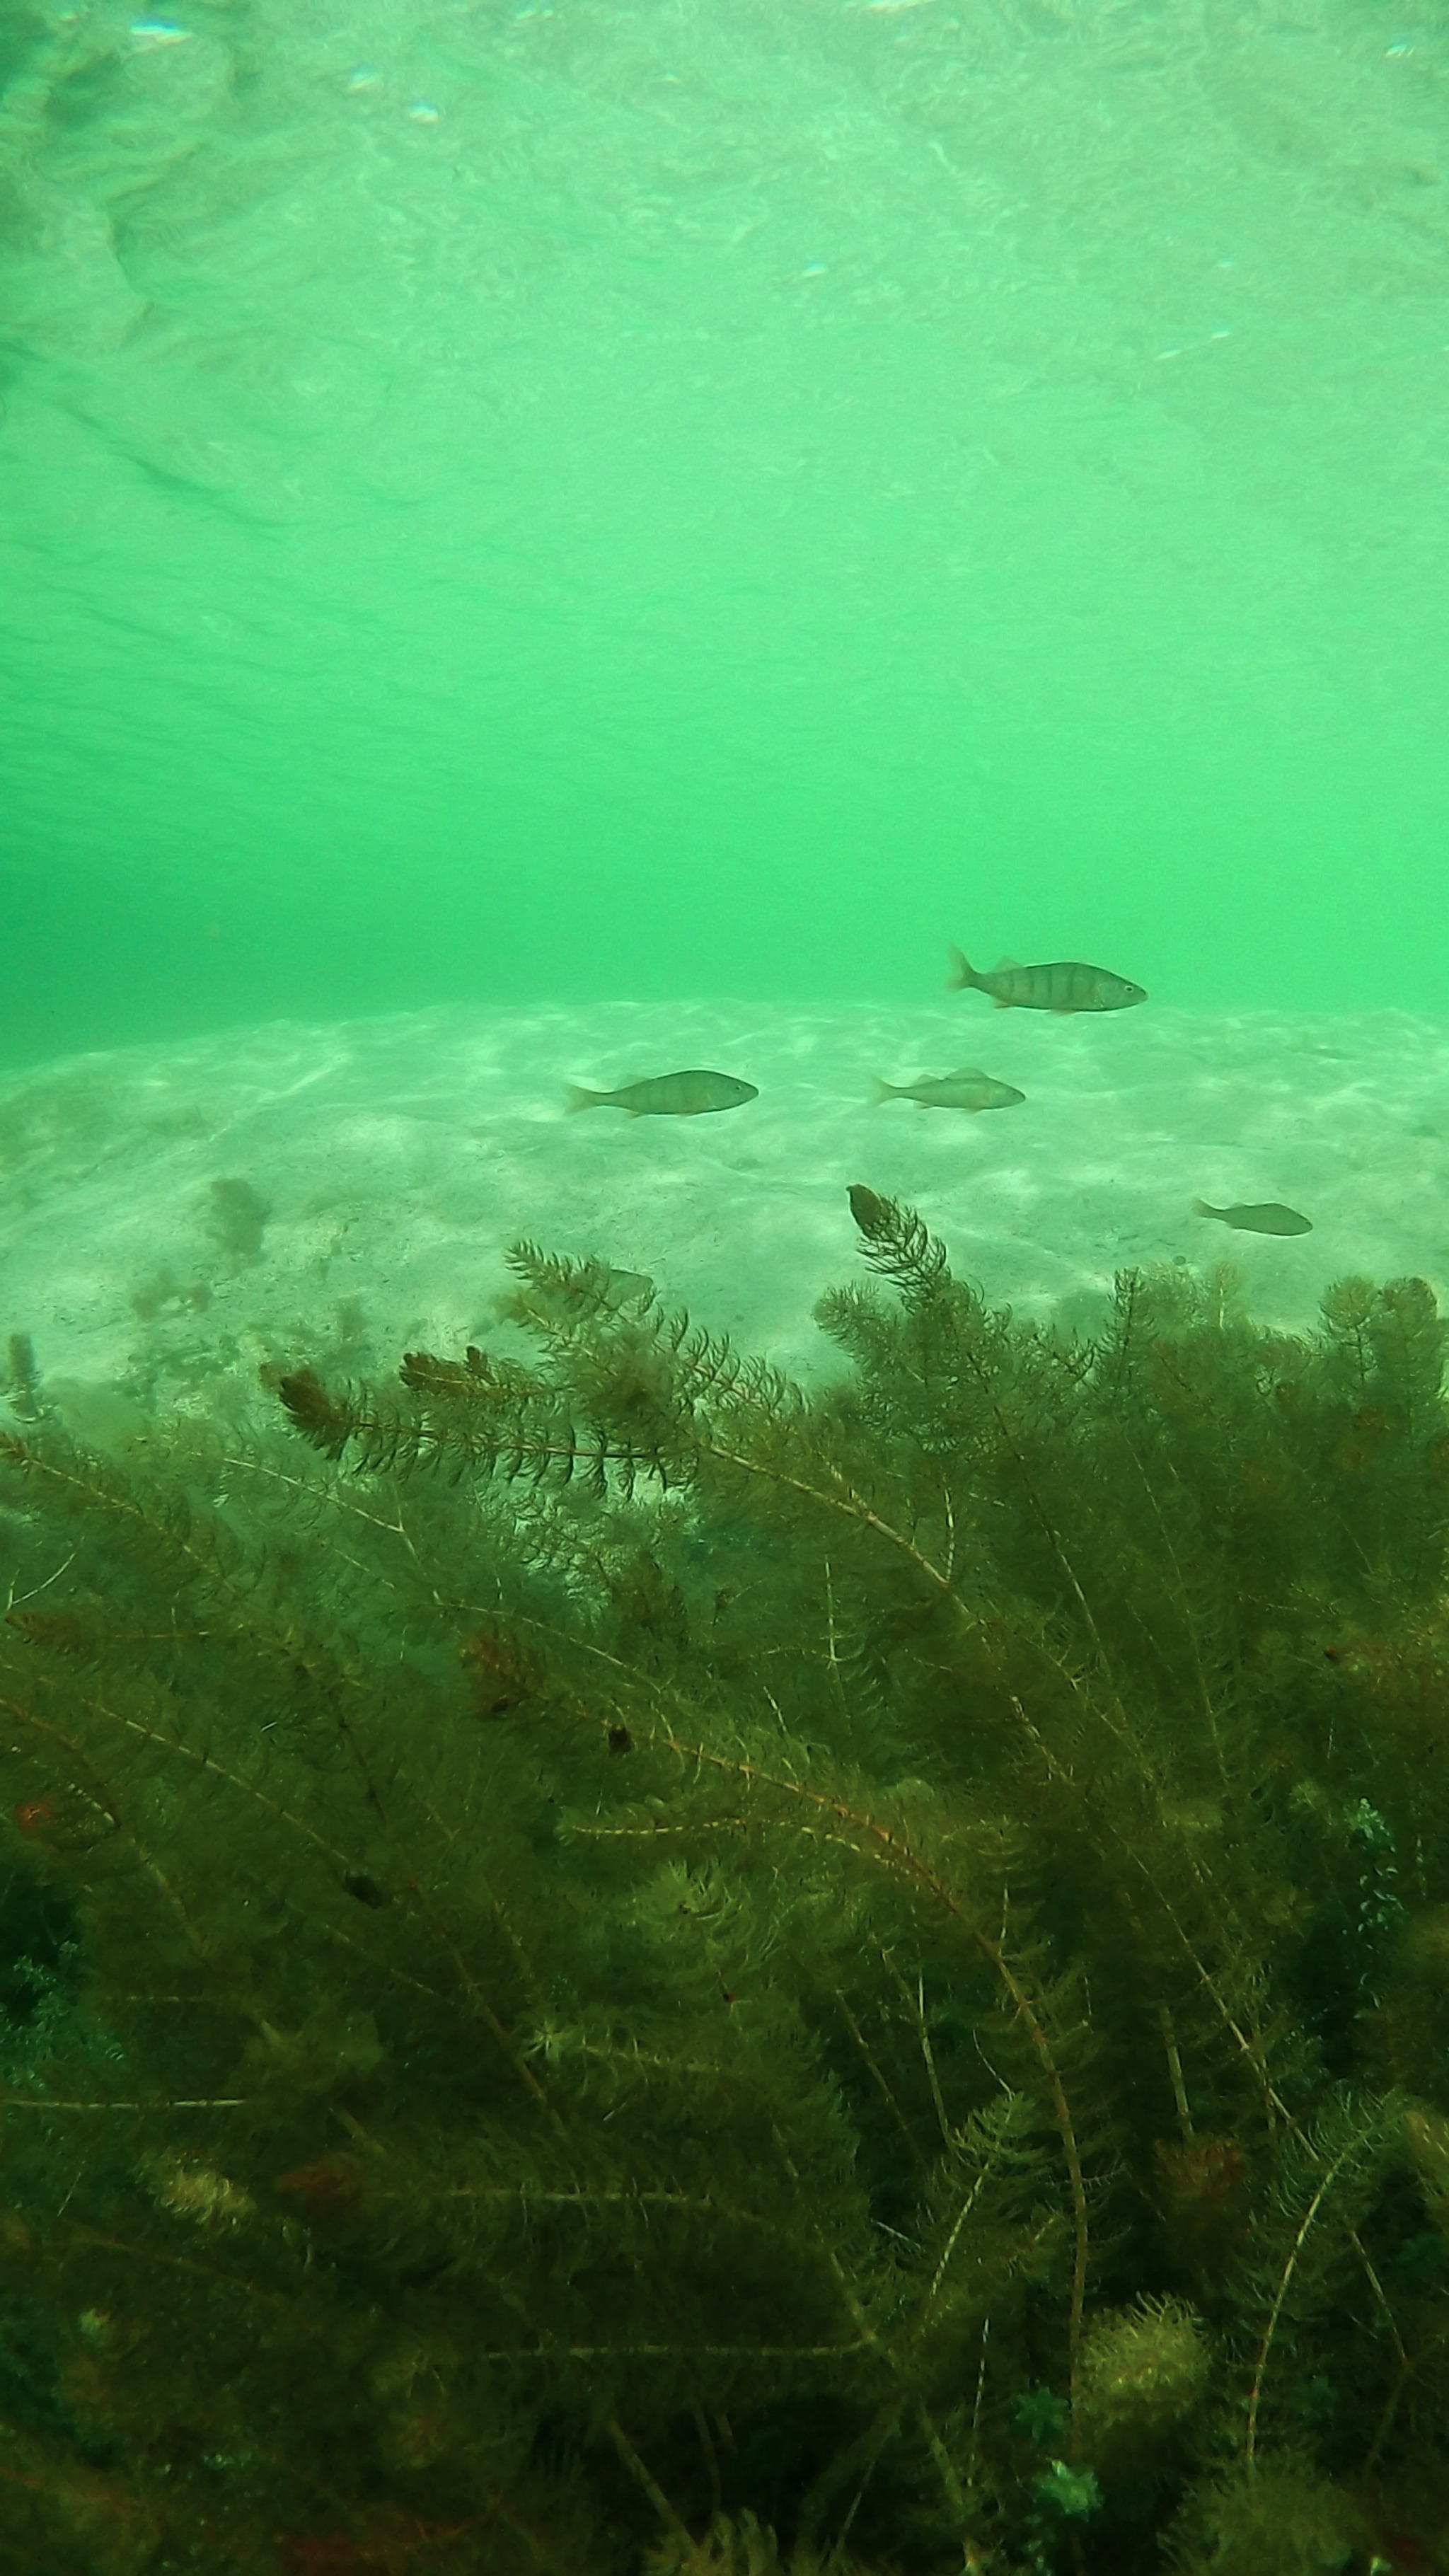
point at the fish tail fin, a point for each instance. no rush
(578, 1098)
(962, 972)
(1200, 1208)
(880, 1091)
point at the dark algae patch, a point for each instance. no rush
(609, 1966)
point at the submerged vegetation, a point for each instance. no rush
(607, 1966)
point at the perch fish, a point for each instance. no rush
(1270, 1218)
(668, 1095)
(964, 1089)
(1067, 985)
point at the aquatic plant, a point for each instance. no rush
(609, 1964)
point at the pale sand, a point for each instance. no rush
(397, 1158)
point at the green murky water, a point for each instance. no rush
(560, 503)
(612, 1964)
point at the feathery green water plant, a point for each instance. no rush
(607, 1963)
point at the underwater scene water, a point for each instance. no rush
(724, 1465)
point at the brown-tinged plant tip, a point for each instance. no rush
(328, 1424)
(869, 1211)
(23, 1379)
(612, 1966)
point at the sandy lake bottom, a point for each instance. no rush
(175, 1217)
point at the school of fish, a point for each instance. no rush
(1064, 986)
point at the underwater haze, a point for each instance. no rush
(510, 504)
(724, 1288)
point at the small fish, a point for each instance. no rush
(1066, 986)
(669, 1095)
(1270, 1218)
(964, 1089)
